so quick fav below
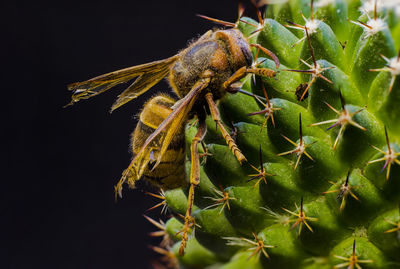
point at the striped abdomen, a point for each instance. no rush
(170, 173)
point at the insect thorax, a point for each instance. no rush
(222, 51)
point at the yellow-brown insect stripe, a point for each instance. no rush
(170, 173)
(157, 109)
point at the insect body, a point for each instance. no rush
(200, 75)
(170, 173)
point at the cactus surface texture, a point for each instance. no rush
(321, 188)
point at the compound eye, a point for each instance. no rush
(247, 55)
(245, 48)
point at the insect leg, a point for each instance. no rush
(229, 140)
(265, 72)
(242, 72)
(194, 181)
(239, 74)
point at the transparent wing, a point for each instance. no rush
(148, 75)
(142, 84)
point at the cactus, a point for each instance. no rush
(321, 188)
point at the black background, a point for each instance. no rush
(57, 205)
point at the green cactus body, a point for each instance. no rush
(325, 196)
